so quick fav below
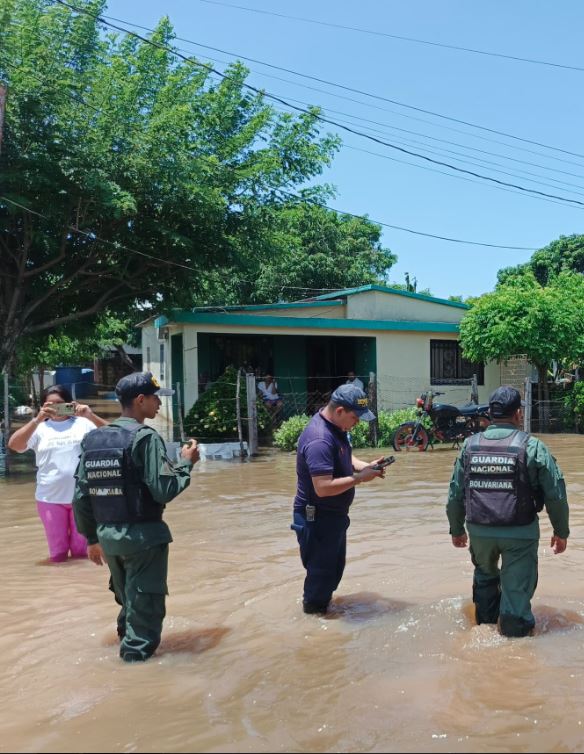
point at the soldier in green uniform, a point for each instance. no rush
(124, 480)
(501, 480)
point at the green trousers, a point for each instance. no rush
(504, 594)
(139, 584)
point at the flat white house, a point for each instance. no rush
(409, 341)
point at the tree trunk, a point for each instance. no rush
(126, 360)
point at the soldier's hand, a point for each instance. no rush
(190, 451)
(558, 544)
(460, 541)
(95, 554)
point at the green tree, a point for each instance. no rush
(523, 317)
(565, 253)
(125, 169)
(306, 249)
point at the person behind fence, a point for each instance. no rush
(55, 435)
(124, 480)
(352, 379)
(268, 389)
(328, 473)
(502, 479)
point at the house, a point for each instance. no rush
(407, 342)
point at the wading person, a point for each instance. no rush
(124, 481)
(55, 435)
(328, 473)
(502, 478)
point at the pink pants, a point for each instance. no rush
(62, 534)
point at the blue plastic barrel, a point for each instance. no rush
(72, 379)
(87, 377)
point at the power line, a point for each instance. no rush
(313, 114)
(343, 212)
(356, 117)
(374, 32)
(94, 237)
(352, 89)
(407, 230)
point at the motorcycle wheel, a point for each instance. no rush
(403, 438)
(479, 423)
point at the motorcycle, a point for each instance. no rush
(440, 421)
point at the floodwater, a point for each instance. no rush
(398, 666)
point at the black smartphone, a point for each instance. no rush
(386, 461)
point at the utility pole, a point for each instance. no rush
(3, 92)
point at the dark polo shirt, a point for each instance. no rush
(323, 450)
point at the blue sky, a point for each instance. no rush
(534, 102)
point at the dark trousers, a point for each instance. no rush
(139, 584)
(504, 595)
(323, 548)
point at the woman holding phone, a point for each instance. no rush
(55, 435)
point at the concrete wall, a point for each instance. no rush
(151, 363)
(329, 312)
(403, 371)
(378, 305)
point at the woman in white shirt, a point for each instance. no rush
(56, 442)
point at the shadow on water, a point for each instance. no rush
(547, 619)
(363, 606)
(192, 640)
(195, 641)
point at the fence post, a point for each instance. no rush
(527, 408)
(6, 432)
(252, 415)
(372, 398)
(238, 412)
(474, 390)
(179, 408)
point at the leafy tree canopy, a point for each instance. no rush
(308, 249)
(125, 169)
(565, 253)
(523, 317)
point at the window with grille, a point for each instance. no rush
(449, 367)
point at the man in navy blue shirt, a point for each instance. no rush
(328, 473)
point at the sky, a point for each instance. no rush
(539, 108)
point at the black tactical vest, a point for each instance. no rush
(118, 496)
(496, 485)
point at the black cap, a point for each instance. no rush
(140, 383)
(504, 401)
(352, 397)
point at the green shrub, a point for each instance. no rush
(286, 437)
(287, 434)
(214, 415)
(389, 421)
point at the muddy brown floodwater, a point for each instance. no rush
(398, 666)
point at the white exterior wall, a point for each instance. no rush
(403, 371)
(151, 363)
(378, 305)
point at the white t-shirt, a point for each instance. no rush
(357, 382)
(57, 447)
(266, 392)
